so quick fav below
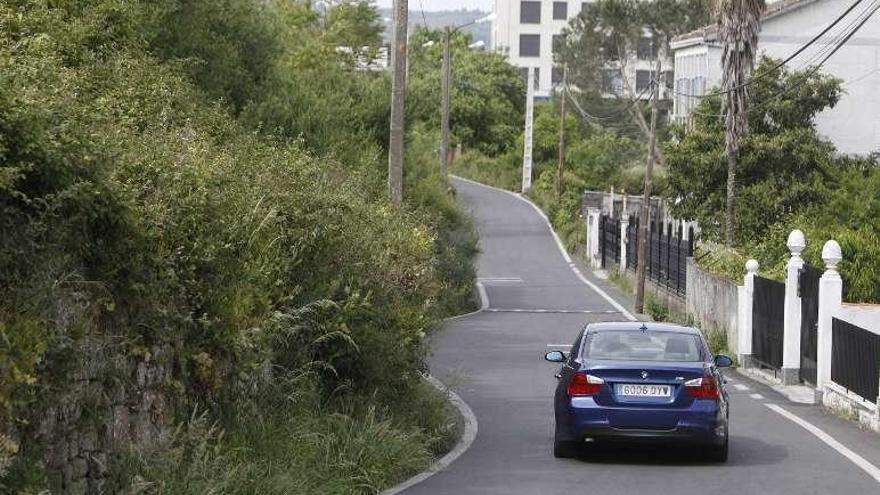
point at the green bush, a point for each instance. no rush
(163, 190)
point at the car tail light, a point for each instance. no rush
(582, 384)
(702, 388)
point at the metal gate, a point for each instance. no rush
(808, 291)
(768, 316)
(609, 240)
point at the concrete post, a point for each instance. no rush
(791, 333)
(746, 300)
(624, 226)
(830, 300)
(593, 215)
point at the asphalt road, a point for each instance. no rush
(494, 360)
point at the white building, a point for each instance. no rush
(853, 125)
(525, 30)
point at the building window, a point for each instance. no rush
(530, 45)
(558, 43)
(612, 81)
(643, 79)
(647, 50)
(560, 10)
(556, 76)
(530, 12)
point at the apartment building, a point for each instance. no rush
(526, 29)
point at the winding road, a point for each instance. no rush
(494, 360)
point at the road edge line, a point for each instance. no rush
(841, 449)
(471, 425)
(561, 247)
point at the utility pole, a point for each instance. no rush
(444, 110)
(561, 171)
(530, 117)
(398, 102)
(645, 217)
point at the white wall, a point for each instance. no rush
(507, 27)
(866, 316)
(853, 125)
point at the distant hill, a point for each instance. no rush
(440, 19)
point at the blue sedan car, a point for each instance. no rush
(640, 382)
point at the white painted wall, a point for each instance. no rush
(506, 29)
(852, 125)
(866, 316)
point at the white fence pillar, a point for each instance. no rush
(791, 334)
(830, 300)
(746, 300)
(593, 215)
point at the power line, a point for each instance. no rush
(781, 64)
(825, 54)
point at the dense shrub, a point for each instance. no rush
(138, 210)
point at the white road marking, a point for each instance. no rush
(540, 310)
(740, 387)
(856, 459)
(484, 303)
(562, 250)
(756, 396)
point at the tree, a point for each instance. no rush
(600, 46)
(487, 92)
(785, 165)
(739, 22)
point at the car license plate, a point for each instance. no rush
(643, 390)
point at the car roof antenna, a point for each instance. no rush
(644, 327)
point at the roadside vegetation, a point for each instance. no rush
(789, 178)
(207, 178)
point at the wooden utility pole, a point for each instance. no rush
(398, 102)
(645, 216)
(561, 171)
(444, 110)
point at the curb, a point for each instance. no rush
(471, 425)
(464, 443)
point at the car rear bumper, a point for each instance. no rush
(705, 422)
(683, 435)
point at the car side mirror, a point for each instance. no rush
(555, 357)
(722, 361)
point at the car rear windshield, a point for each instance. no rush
(638, 345)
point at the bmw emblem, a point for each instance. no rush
(644, 375)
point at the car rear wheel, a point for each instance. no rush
(718, 453)
(563, 449)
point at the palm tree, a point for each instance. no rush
(739, 22)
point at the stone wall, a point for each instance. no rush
(109, 404)
(713, 302)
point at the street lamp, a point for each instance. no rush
(446, 80)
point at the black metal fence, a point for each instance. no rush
(768, 320)
(808, 291)
(609, 242)
(667, 253)
(855, 359)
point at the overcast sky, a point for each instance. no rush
(444, 4)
